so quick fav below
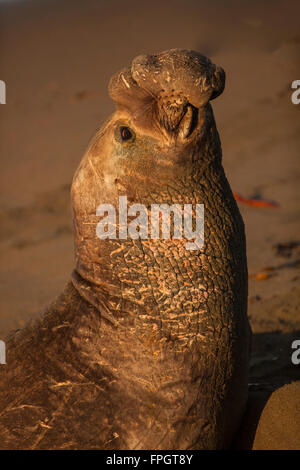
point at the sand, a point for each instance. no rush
(56, 58)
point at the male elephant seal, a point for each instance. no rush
(147, 347)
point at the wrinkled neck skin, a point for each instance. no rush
(155, 284)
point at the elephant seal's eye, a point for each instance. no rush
(125, 133)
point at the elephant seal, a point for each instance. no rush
(148, 345)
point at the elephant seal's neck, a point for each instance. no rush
(159, 284)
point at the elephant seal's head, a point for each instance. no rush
(162, 113)
(153, 149)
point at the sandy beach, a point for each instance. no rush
(56, 58)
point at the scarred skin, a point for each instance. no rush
(148, 345)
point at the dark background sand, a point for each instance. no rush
(56, 58)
